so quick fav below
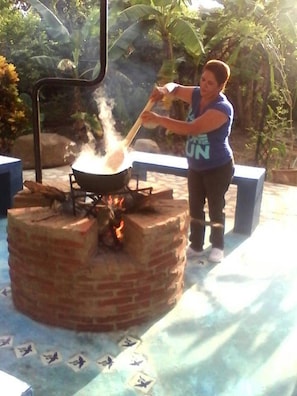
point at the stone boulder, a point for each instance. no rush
(56, 150)
(147, 145)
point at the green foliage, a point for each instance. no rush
(165, 23)
(21, 37)
(258, 39)
(161, 40)
(89, 121)
(272, 141)
(77, 44)
(72, 34)
(157, 34)
(13, 120)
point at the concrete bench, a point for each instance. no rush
(249, 181)
(11, 181)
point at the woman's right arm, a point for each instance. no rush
(178, 91)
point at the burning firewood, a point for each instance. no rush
(140, 203)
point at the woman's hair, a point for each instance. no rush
(220, 70)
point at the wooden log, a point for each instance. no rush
(50, 192)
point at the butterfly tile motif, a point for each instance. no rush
(6, 292)
(6, 341)
(51, 358)
(137, 361)
(78, 362)
(25, 350)
(142, 382)
(129, 342)
(106, 363)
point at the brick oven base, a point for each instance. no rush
(61, 277)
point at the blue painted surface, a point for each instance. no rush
(249, 181)
(11, 181)
(232, 333)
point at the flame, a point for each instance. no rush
(117, 202)
(119, 230)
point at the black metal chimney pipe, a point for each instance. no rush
(66, 82)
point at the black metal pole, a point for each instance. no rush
(66, 82)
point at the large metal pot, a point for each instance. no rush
(102, 183)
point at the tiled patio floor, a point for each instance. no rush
(233, 333)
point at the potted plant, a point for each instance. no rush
(13, 119)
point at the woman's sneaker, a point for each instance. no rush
(216, 255)
(194, 254)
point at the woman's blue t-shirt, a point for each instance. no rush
(212, 149)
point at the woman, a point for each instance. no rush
(209, 155)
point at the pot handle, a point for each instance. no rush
(133, 131)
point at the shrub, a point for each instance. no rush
(13, 119)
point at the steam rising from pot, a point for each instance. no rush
(91, 162)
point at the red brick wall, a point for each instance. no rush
(60, 277)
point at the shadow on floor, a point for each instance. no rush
(232, 333)
(192, 276)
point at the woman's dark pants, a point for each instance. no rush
(211, 186)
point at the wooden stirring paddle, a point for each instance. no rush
(115, 158)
